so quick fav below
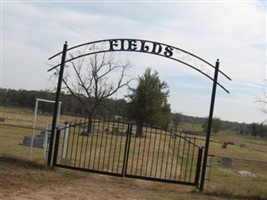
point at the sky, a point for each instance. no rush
(232, 31)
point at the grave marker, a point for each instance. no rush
(226, 162)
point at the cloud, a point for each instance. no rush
(17, 71)
(234, 32)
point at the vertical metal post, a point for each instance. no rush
(198, 168)
(127, 150)
(56, 105)
(56, 147)
(33, 126)
(206, 151)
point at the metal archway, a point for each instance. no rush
(140, 46)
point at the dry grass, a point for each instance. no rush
(225, 182)
(22, 179)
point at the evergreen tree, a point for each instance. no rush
(148, 102)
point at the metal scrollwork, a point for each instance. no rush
(141, 46)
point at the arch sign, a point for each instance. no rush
(139, 46)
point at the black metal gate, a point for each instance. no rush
(112, 147)
(149, 47)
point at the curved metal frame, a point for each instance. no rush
(84, 123)
(139, 51)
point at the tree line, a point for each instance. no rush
(70, 105)
(112, 107)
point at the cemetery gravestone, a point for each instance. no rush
(38, 141)
(226, 162)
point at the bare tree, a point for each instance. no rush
(92, 79)
(263, 101)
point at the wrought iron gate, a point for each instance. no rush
(149, 47)
(112, 147)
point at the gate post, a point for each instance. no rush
(198, 168)
(56, 147)
(56, 106)
(127, 149)
(206, 151)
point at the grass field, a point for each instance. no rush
(225, 182)
(21, 179)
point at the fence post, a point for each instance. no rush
(53, 128)
(56, 147)
(199, 159)
(212, 102)
(127, 149)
